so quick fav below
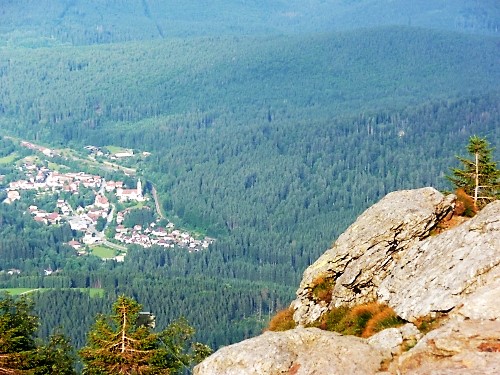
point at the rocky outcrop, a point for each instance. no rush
(435, 275)
(365, 254)
(301, 351)
(468, 342)
(392, 341)
(390, 255)
(463, 347)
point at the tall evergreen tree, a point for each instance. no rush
(479, 177)
(118, 345)
(56, 357)
(19, 351)
(17, 326)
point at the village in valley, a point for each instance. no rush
(96, 209)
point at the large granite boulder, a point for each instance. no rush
(459, 347)
(301, 351)
(365, 254)
(436, 274)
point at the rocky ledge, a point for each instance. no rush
(393, 254)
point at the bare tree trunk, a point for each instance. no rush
(124, 324)
(476, 188)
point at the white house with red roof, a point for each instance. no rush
(101, 201)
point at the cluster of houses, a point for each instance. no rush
(84, 219)
(43, 179)
(155, 235)
(44, 150)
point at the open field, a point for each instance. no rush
(93, 292)
(114, 149)
(103, 251)
(17, 291)
(9, 159)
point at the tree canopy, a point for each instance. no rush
(117, 344)
(20, 353)
(479, 176)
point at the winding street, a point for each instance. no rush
(157, 203)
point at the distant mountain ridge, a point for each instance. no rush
(102, 21)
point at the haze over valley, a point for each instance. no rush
(258, 130)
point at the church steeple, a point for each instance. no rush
(139, 188)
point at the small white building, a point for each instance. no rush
(124, 154)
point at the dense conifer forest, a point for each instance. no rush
(269, 133)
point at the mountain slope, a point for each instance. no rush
(315, 76)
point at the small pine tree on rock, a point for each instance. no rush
(479, 177)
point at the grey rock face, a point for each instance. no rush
(390, 341)
(301, 351)
(365, 254)
(435, 275)
(461, 347)
(484, 303)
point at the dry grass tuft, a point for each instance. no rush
(428, 323)
(361, 320)
(464, 205)
(322, 289)
(281, 321)
(383, 319)
(359, 316)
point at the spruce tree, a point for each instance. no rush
(17, 326)
(118, 345)
(20, 353)
(479, 177)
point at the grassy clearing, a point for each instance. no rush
(9, 159)
(57, 167)
(33, 159)
(93, 292)
(18, 291)
(133, 205)
(103, 251)
(115, 149)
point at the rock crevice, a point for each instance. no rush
(367, 251)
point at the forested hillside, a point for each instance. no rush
(71, 93)
(53, 22)
(268, 139)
